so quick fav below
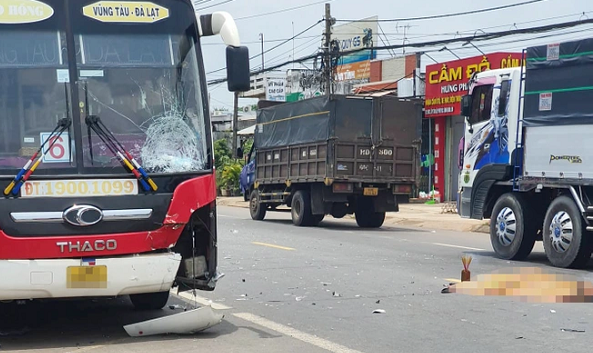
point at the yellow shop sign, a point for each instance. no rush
(126, 12)
(24, 11)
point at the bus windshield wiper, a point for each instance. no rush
(19, 180)
(94, 122)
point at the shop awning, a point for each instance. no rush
(247, 131)
(389, 86)
(378, 93)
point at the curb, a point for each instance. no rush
(454, 224)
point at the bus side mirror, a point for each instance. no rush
(466, 106)
(237, 68)
(239, 152)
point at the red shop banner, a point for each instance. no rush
(447, 82)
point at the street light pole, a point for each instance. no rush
(261, 38)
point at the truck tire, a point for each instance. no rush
(150, 301)
(566, 240)
(317, 219)
(256, 209)
(301, 209)
(513, 228)
(370, 219)
(365, 214)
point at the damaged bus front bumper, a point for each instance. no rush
(101, 277)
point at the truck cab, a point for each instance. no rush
(491, 131)
(247, 177)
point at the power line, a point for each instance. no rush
(281, 11)
(267, 40)
(274, 47)
(538, 37)
(487, 36)
(301, 48)
(272, 68)
(213, 5)
(449, 14)
(514, 24)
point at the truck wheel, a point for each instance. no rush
(256, 209)
(317, 219)
(566, 241)
(301, 209)
(365, 214)
(369, 219)
(150, 301)
(513, 231)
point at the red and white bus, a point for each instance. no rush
(106, 154)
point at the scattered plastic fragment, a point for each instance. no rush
(379, 311)
(571, 330)
(187, 322)
(336, 294)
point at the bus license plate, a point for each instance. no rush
(371, 191)
(86, 277)
(77, 188)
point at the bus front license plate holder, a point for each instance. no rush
(371, 191)
(86, 277)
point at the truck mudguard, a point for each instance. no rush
(485, 179)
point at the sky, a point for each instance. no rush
(252, 18)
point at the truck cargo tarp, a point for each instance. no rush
(294, 123)
(559, 84)
(343, 118)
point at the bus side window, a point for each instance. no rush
(482, 104)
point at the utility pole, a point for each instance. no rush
(261, 38)
(235, 124)
(327, 56)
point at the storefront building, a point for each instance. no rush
(446, 83)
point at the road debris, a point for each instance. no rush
(187, 322)
(336, 294)
(571, 330)
(379, 311)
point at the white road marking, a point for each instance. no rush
(226, 216)
(458, 247)
(296, 334)
(189, 298)
(271, 325)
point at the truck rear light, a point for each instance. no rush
(343, 187)
(402, 189)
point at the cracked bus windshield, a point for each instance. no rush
(144, 86)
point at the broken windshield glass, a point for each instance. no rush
(146, 88)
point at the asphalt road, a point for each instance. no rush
(290, 289)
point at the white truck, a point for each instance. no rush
(526, 163)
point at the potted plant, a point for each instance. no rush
(230, 177)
